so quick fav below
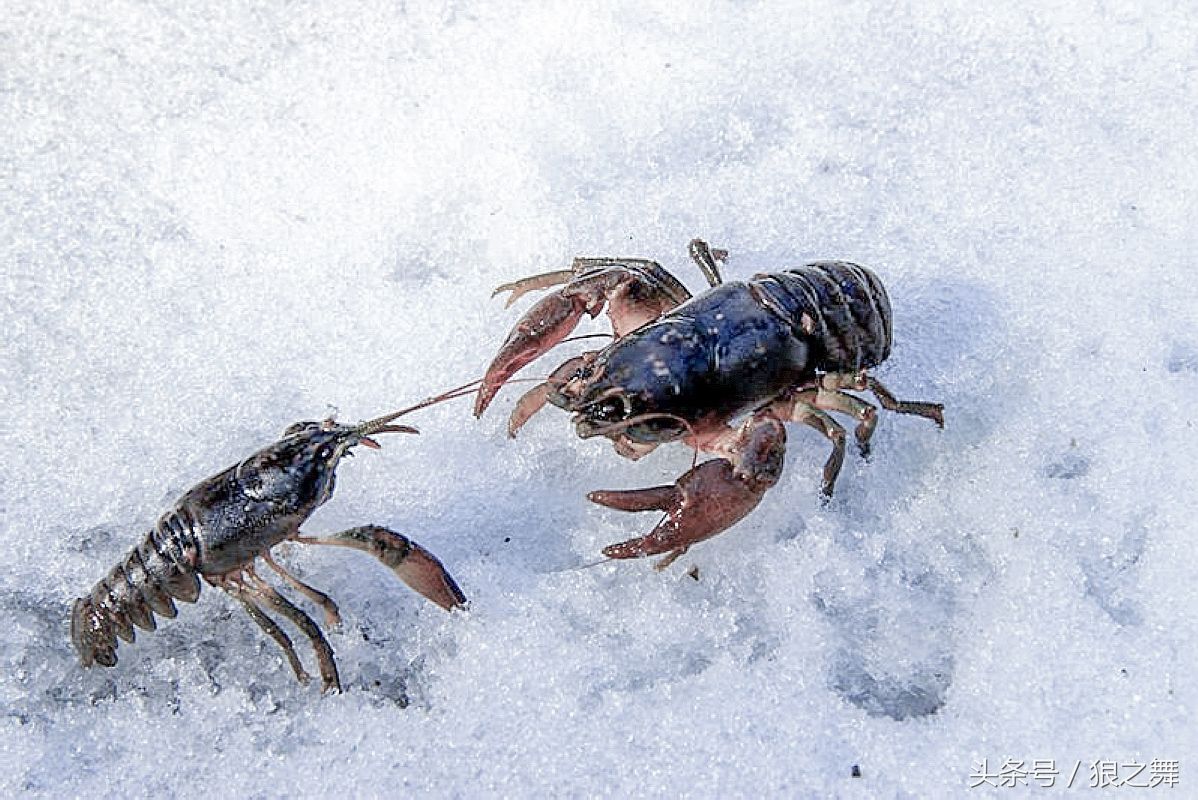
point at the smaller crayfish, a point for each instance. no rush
(219, 528)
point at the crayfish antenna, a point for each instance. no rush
(381, 424)
(588, 565)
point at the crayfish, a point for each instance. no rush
(721, 372)
(221, 527)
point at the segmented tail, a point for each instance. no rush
(843, 307)
(139, 587)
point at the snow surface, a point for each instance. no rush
(219, 218)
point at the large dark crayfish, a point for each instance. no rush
(219, 529)
(781, 347)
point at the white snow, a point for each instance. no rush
(220, 218)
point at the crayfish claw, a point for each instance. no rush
(426, 576)
(544, 325)
(706, 501)
(662, 498)
(548, 392)
(634, 291)
(411, 563)
(532, 283)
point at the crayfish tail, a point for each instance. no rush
(145, 583)
(92, 638)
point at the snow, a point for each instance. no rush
(220, 218)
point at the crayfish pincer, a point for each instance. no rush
(219, 529)
(720, 372)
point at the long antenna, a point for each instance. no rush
(375, 424)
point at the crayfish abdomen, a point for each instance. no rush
(842, 309)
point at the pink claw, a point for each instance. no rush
(424, 574)
(541, 328)
(708, 499)
(634, 291)
(411, 563)
(705, 501)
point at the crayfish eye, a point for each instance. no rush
(325, 452)
(612, 409)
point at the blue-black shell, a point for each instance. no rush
(742, 344)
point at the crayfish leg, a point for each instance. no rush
(262, 590)
(332, 615)
(801, 407)
(809, 406)
(920, 408)
(272, 630)
(829, 397)
(670, 558)
(706, 258)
